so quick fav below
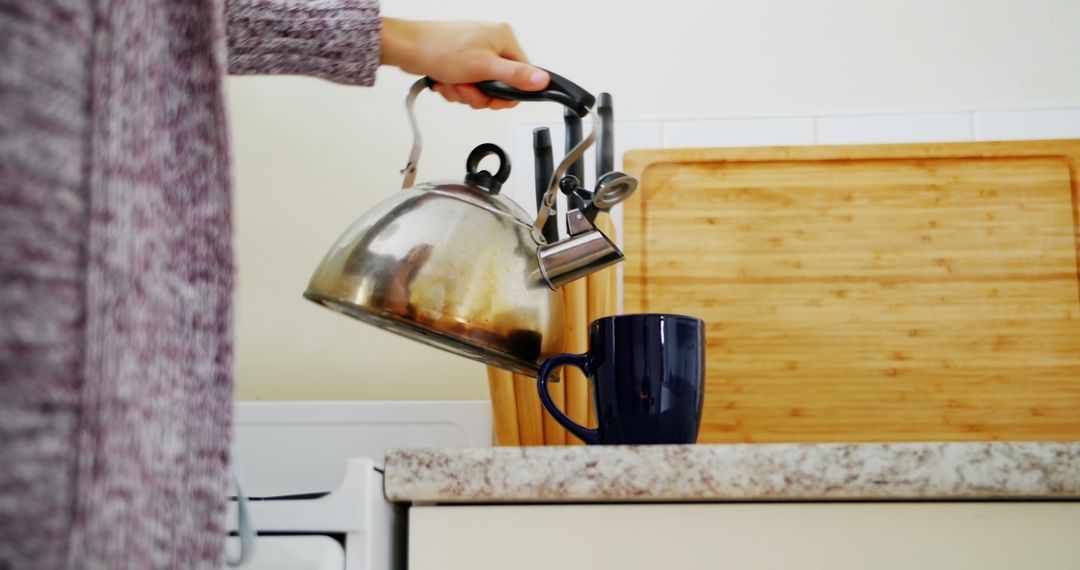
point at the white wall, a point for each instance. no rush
(310, 156)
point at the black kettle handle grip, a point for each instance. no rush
(559, 90)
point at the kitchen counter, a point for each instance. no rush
(749, 472)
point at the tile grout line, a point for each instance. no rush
(975, 132)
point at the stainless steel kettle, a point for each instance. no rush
(458, 266)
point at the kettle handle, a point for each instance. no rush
(559, 90)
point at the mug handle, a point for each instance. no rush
(589, 436)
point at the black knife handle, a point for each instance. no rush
(605, 140)
(542, 153)
(572, 124)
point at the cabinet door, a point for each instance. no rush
(763, 536)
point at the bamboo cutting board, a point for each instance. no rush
(869, 293)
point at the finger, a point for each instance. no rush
(520, 75)
(468, 92)
(471, 95)
(449, 92)
(441, 90)
(499, 104)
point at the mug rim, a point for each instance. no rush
(639, 315)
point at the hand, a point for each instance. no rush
(458, 54)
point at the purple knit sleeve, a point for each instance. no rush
(339, 40)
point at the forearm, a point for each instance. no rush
(337, 40)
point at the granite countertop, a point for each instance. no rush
(735, 472)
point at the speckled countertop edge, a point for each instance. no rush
(735, 472)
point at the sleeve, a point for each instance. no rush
(338, 40)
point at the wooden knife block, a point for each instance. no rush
(520, 418)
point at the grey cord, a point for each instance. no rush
(244, 528)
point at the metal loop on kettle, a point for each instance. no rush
(482, 178)
(560, 171)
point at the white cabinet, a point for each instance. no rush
(314, 552)
(332, 451)
(833, 536)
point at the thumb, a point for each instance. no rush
(520, 75)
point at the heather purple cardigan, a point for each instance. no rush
(116, 265)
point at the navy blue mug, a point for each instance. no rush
(648, 378)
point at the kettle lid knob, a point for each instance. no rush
(482, 178)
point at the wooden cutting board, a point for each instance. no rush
(869, 293)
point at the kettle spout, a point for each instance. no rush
(577, 256)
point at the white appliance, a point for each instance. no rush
(313, 475)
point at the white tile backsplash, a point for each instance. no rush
(1027, 125)
(739, 132)
(871, 129)
(630, 135)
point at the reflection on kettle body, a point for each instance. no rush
(395, 294)
(392, 290)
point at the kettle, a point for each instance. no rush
(458, 266)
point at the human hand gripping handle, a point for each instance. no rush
(460, 54)
(559, 90)
(589, 436)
